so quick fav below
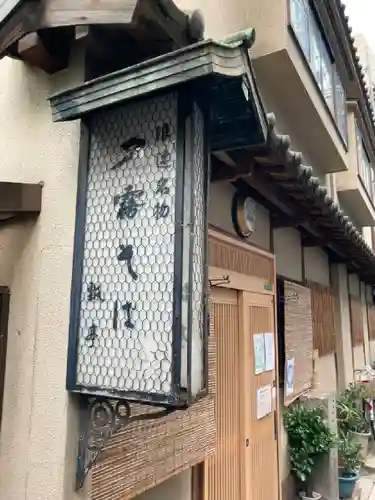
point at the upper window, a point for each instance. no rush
(365, 168)
(314, 47)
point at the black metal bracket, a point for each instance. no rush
(223, 280)
(100, 419)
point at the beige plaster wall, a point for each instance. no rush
(316, 264)
(287, 248)
(345, 367)
(367, 234)
(39, 434)
(366, 338)
(371, 342)
(38, 437)
(348, 179)
(176, 488)
(222, 17)
(220, 215)
(358, 357)
(358, 351)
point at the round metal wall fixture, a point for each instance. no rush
(243, 214)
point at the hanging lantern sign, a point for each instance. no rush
(139, 322)
(138, 312)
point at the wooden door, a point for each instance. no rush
(260, 479)
(223, 471)
(245, 466)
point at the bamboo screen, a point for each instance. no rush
(147, 453)
(356, 320)
(298, 333)
(324, 336)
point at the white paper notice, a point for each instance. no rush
(259, 353)
(264, 401)
(269, 348)
(289, 376)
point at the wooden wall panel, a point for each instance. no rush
(324, 335)
(240, 258)
(262, 475)
(224, 468)
(356, 320)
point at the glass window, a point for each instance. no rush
(359, 151)
(365, 168)
(299, 12)
(340, 106)
(315, 51)
(327, 80)
(307, 30)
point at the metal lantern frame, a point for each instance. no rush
(183, 242)
(218, 76)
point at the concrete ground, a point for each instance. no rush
(365, 489)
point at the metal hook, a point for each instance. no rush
(223, 280)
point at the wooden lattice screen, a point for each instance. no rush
(231, 255)
(356, 320)
(324, 336)
(298, 332)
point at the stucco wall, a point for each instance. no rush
(342, 323)
(38, 434)
(358, 350)
(176, 488)
(316, 264)
(365, 324)
(220, 215)
(287, 248)
(222, 17)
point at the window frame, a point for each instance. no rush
(366, 168)
(339, 111)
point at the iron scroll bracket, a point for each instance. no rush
(100, 419)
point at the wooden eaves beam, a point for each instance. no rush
(275, 195)
(18, 198)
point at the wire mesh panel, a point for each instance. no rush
(197, 309)
(141, 293)
(126, 318)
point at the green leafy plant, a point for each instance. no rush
(350, 459)
(309, 440)
(350, 415)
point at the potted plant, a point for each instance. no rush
(309, 440)
(351, 418)
(350, 461)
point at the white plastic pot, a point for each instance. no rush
(363, 440)
(316, 496)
